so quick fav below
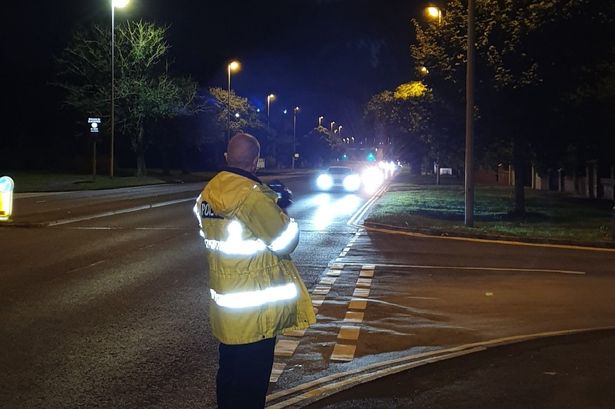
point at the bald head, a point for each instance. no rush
(243, 151)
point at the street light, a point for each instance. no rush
(270, 98)
(119, 4)
(339, 131)
(332, 123)
(423, 71)
(434, 13)
(320, 118)
(232, 67)
(295, 112)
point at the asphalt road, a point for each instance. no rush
(111, 312)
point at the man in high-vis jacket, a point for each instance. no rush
(256, 291)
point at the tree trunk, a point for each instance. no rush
(519, 186)
(140, 151)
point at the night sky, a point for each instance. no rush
(326, 56)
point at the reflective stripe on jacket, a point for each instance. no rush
(256, 291)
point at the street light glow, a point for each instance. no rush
(120, 4)
(234, 66)
(433, 11)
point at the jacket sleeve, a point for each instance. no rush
(269, 223)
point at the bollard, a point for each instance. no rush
(6, 198)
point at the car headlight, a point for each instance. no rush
(352, 183)
(324, 182)
(372, 179)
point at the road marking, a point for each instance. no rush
(366, 206)
(357, 304)
(328, 281)
(492, 241)
(343, 352)
(321, 290)
(334, 273)
(349, 333)
(317, 300)
(354, 316)
(330, 384)
(285, 347)
(478, 268)
(361, 292)
(276, 371)
(116, 212)
(366, 273)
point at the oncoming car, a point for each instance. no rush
(339, 178)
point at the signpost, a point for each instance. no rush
(94, 130)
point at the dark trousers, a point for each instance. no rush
(243, 374)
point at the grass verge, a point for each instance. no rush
(413, 204)
(54, 182)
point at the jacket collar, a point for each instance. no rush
(243, 173)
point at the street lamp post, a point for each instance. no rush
(469, 151)
(119, 4)
(320, 118)
(270, 98)
(339, 131)
(332, 123)
(295, 112)
(232, 66)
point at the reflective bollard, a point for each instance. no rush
(6, 197)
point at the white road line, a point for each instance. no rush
(116, 212)
(363, 209)
(479, 268)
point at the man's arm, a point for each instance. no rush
(270, 223)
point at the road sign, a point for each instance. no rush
(93, 124)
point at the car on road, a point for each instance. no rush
(339, 178)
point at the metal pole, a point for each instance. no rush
(268, 103)
(228, 107)
(94, 160)
(469, 153)
(294, 135)
(112, 87)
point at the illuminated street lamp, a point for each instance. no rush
(434, 13)
(332, 123)
(339, 131)
(232, 67)
(423, 71)
(295, 112)
(270, 98)
(320, 118)
(114, 4)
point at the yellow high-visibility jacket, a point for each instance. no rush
(256, 291)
